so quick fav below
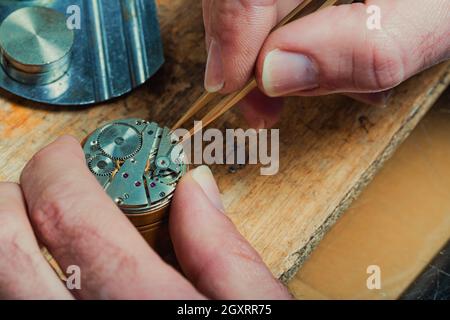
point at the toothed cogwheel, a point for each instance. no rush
(102, 166)
(120, 141)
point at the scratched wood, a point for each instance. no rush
(330, 147)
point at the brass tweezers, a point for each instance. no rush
(230, 100)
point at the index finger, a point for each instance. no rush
(82, 226)
(235, 33)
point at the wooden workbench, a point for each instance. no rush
(330, 147)
(400, 222)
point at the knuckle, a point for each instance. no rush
(372, 60)
(387, 66)
(49, 212)
(12, 245)
(231, 18)
(224, 21)
(429, 48)
(15, 233)
(11, 225)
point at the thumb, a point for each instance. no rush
(214, 256)
(334, 50)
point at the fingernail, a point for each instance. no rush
(204, 177)
(214, 79)
(288, 72)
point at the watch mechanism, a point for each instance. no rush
(138, 163)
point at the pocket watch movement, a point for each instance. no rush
(139, 164)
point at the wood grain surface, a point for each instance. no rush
(330, 147)
(400, 221)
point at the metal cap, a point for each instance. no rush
(36, 45)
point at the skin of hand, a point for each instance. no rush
(60, 204)
(329, 51)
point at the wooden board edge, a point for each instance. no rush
(425, 104)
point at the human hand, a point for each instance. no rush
(60, 203)
(330, 51)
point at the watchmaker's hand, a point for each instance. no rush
(330, 51)
(60, 200)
